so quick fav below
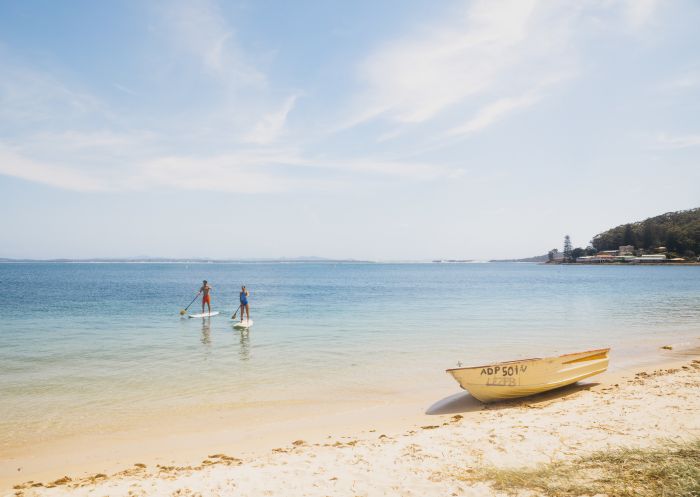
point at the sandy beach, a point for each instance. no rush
(377, 452)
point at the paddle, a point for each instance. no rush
(234, 314)
(182, 312)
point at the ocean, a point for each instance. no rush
(96, 348)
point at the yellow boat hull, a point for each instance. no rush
(513, 379)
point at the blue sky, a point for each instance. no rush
(381, 130)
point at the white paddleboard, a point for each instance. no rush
(244, 324)
(203, 315)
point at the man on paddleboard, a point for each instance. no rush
(206, 298)
(245, 309)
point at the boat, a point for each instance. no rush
(513, 379)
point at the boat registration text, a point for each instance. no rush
(504, 370)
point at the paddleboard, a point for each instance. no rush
(243, 324)
(203, 315)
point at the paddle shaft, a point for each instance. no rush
(234, 314)
(195, 298)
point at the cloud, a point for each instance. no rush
(688, 80)
(125, 89)
(395, 169)
(638, 13)
(460, 74)
(75, 141)
(494, 56)
(30, 98)
(676, 142)
(14, 164)
(252, 171)
(488, 49)
(227, 173)
(269, 128)
(202, 31)
(492, 113)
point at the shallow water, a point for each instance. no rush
(96, 347)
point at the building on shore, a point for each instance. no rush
(602, 258)
(626, 250)
(599, 258)
(651, 258)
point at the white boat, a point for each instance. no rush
(513, 379)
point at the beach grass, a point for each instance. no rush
(671, 470)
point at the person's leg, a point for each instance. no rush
(209, 303)
(247, 311)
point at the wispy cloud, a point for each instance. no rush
(78, 141)
(488, 49)
(492, 112)
(666, 141)
(638, 13)
(495, 57)
(269, 128)
(31, 97)
(251, 171)
(202, 31)
(125, 89)
(479, 64)
(14, 164)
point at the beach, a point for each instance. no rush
(424, 451)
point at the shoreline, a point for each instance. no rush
(186, 444)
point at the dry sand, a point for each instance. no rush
(635, 409)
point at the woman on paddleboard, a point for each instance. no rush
(245, 309)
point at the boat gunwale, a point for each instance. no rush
(527, 360)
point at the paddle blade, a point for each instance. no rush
(182, 312)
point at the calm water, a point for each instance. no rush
(95, 346)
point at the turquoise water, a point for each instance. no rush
(96, 346)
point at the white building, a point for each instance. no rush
(651, 258)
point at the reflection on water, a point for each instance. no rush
(206, 331)
(244, 349)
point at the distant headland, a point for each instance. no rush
(670, 238)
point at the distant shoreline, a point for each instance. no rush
(330, 261)
(185, 261)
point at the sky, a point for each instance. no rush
(394, 130)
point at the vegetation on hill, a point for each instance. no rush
(678, 231)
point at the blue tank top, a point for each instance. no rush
(244, 298)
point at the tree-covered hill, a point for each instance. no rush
(678, 231)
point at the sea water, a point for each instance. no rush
(96, 347)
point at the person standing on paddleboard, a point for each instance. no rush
(245, 308)
(206, 298)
